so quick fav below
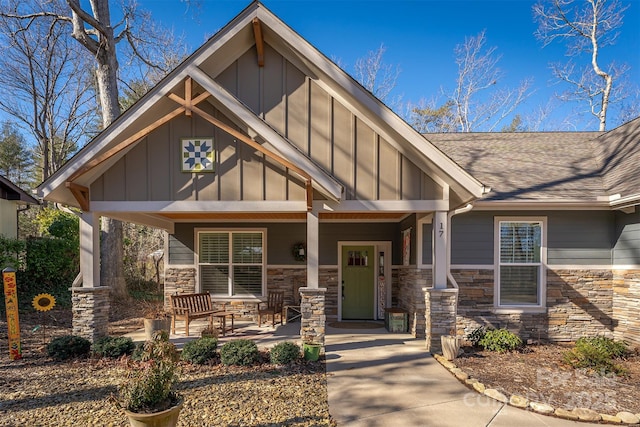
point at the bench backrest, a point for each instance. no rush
(192, 303)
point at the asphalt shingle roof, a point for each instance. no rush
(536, 166)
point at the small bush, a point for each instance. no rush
(113, 347)
(199, 351)
(500, 340)
(284, 353)
(138, 351)
(68, 346)
(476, 335)
(597, 353)
(241, 352)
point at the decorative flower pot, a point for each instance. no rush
(311, 351)
(450, 346)
(151, 326)
(166, 418)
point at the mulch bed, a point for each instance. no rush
(38, 391)
(538, 374)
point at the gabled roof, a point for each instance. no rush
(10, 191)
(234, 39)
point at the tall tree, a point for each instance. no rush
(586, 27)
(478, 102)
(143, 43)
(15, 156)
(44, 86)
(375, 75)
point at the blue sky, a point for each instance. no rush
(419, 36)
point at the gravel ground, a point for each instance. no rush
(42, 392)
(38, 391)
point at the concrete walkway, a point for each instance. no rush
(378, 379)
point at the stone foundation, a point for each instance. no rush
(626, 296)
(579, 303)
(409, 295)
(312, 307)
(90, 308)
(440, 316)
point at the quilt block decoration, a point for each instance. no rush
(197, 154)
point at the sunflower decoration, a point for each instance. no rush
(43, 302)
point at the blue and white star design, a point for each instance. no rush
(197, 155)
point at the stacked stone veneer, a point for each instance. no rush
(312, 307)
(285, 279)
(408, 293)
(579, 303)
(90, 308)
(626, 302)
(440, 316)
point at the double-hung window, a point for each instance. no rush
(520, 261)
(231, 263)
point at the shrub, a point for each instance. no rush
(113, 347)
(150, 384)
(476, 335)
(199, 351)
(597, 353)
(284, 353)
(241, 352)
(500, 340)
(68, 346)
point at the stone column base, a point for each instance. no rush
(90, 308)
(312, 307)
(440, 316)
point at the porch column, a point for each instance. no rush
(440, 249)
(313, 228)
(90, 301)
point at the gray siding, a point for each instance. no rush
(573, 238)
(282, 236)
(627, 239)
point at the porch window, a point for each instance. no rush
(231, 263)
(520, 261)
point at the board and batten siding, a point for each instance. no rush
(573, 238)
(324, 129)
(8, 219)
(280, 238)
(627, 244)
(151, 170)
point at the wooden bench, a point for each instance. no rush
(191, 306)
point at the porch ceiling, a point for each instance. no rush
(266, 216)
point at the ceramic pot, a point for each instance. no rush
(166, 418)
(151, 326)
(450, 346)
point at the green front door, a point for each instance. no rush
(358, 280)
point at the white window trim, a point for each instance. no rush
(196, 244)
(542, 290)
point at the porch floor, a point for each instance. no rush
(264, 336)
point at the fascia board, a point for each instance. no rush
(328, 185)
(499, 205)
(316, 59)
(624, 202)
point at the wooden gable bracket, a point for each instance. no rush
(81, 193)
(257, 33)
(244, 138)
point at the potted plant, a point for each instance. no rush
(156, 319)
(148, 396)
(450, 345)
(311, 350)
(209, 332)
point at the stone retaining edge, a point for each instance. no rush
(576, 414)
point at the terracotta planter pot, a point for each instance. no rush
(450, 346)
(167, 418)
(151, 326)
